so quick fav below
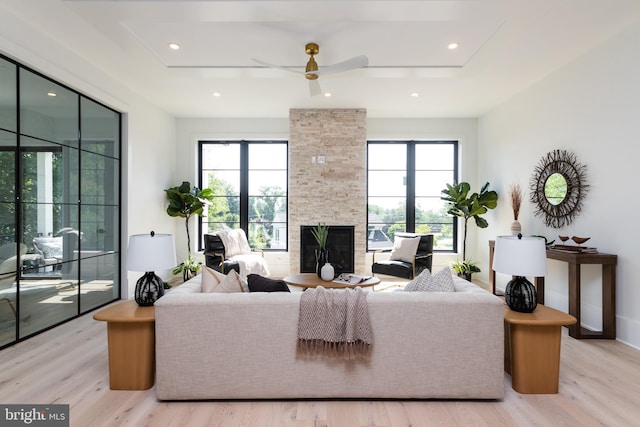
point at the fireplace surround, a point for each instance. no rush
(340, 245)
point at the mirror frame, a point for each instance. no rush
(575, 174)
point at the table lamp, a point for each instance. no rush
(520, 256)
(150, 252)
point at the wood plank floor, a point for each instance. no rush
(599, 386)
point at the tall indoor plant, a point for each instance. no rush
(466, 206)
(186, 201)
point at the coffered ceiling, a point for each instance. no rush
(504, 46)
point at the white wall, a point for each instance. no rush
(148, 133)
(590, 107)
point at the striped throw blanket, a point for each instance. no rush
(334, 323)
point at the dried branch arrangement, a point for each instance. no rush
(515, 192)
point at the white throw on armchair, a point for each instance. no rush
(236, 250)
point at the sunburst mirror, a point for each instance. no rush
(558, 186)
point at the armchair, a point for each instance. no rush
(404, 261)
(229, 250)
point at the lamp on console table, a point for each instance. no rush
(520, 256)
(149, 253)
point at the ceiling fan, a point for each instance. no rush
(312, 72)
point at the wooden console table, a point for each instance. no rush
(575, 261)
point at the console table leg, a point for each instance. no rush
(608, 301)
(574, 298)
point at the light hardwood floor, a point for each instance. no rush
(599, 386)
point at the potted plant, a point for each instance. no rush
(466, 206)
(186, 201)
(465, 268)
(320, 233)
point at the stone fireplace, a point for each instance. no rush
(339, 245)
(327, 176)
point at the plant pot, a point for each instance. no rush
(465, 276)
(322, 257)
(327, 273)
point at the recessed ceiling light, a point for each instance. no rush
(415, 94)
(216, 94)
(452, 45)
(174, 46)
(51, 94)
(327, 95)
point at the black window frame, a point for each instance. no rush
(244, 185)
(410, 196)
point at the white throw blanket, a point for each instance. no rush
(334, 323)
(251, 264)
(237, 249)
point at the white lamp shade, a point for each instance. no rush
(151, 252)
(520, 257)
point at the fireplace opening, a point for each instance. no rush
(340, 243)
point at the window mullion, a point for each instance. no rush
(411, 187)
(244, 186)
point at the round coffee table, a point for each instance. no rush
(311, 280)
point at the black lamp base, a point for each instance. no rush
(148, 289)
(520, 295)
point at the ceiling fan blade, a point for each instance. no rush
(350, 64)
(314, 88)
(266, 64)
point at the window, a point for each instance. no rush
(249, 183)
(59, 203)
(404, 184)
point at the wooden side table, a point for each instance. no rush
(532, 348)
(131, 335)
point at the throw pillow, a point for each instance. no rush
(404, 248)
(210, 279)
(231, 283)
(425, 282)
(259, 283)
(214, 281)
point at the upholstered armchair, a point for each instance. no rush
(411, 254)
(229, 250)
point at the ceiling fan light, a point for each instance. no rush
(312, 66)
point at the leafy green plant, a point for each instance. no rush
(465, 267)
(186, 201)
(462, 204)
(321, 232)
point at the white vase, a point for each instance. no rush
(327, 272)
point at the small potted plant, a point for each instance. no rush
(465, 269)
(320, 233)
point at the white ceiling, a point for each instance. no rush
(505, 46)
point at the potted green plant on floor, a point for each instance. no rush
(466, 206)
(186, 201)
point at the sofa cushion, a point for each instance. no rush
(404, 248)
(213, 281)
(425, 282)
(259, 283)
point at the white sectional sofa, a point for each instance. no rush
(243, 346)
